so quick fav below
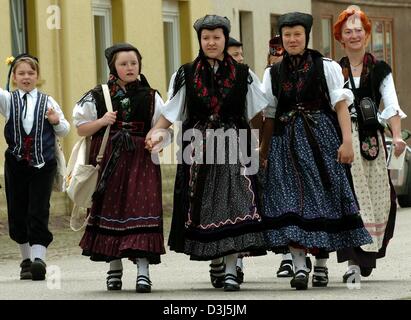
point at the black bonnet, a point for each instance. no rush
(295, 19)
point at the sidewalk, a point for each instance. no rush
(72, 276)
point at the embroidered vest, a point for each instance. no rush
(37, 147)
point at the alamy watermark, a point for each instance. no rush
(209, 146)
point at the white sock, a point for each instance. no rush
(240, 263)
(320, 262)
(38, 251)
(116, 265)
(354, 267)
(230, 266)
(142, 269)
(299, 259)
(25, 251)
(287, 256)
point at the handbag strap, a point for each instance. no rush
(353, 88)
(109, 107)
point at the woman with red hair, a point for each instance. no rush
(368, 77)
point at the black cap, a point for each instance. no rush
(20, 56)
(296, 19)
(111, 51)
(211, 22)
(234, 43)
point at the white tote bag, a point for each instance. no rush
(60, 176)
(82, 177)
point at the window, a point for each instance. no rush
(18, 26)
(327, 44)
(381, 40)
(247, 36)
(102, 36)
(274, 25)
(171, 37)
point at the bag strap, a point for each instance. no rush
(353, 88)
(109, 107)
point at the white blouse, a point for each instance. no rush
(255, 100)
(61, 130)
(389, 98)
(87, 112)
(335, 82)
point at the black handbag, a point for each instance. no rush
(366, 109)
(367, 113)
(368, 124)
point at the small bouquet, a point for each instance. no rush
(9, 60)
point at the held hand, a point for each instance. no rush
(345, 153)
(399, 145)
(154, 140)
(52, 116)
(109, 118)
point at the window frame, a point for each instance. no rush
(103, 9)
(330, 18)
(385, 21)
(19, 36)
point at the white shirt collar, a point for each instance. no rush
(32, 93)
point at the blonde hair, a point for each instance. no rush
(30, 61)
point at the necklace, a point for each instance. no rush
(354, 68)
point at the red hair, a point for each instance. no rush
(343, 17)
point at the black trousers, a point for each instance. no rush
(28, 192)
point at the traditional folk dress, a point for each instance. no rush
(216, 209)
(372, 184)
(126, 216)
(308, 199)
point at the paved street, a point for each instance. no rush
(75, 277)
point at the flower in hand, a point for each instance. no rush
(52, 116)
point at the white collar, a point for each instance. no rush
(32, 93)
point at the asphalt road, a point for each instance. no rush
(74, 277)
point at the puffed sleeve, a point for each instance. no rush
(174, 106)
(268, 93)
(256, 100)
(158, 107)
(5, 98)
(335, 82)
(85, 110)
(63, 128)
(390, 100)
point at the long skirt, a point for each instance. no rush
(126, 222)
(216, 210)
(301, 209)
(376, 197)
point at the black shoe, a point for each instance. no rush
(217, 276)
(286, 269)
(231, 286)
(320, 277)
(25, 272)
(113, 280)
(352, 277)
(366, 271)
(38, 270)
(300, 280)
(240, 275)
(143, 284)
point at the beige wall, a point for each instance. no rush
(78, 69)
(262, 10)
(143, 27)
(5, 51)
